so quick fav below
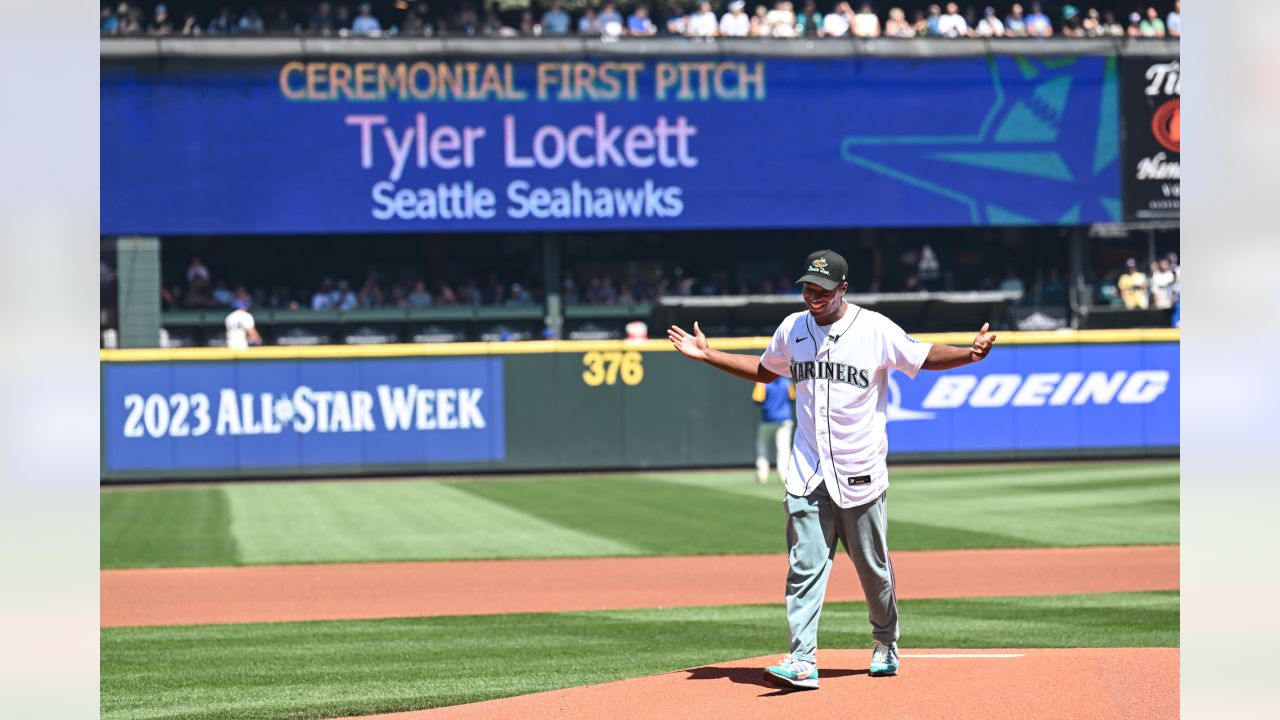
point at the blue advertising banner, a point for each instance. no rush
(325, 146)
(229, 415)
(1042, 398)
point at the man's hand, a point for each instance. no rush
(691, 346)
(981, 343)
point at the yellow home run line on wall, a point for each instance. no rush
(277, 352)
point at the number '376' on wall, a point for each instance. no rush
(607, 367)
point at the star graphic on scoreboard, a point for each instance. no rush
(1018, 136)
(283, 409)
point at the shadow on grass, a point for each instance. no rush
(755, 676)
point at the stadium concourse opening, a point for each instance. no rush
(343, 289)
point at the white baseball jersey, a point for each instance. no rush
(237, 322)
(841, 373)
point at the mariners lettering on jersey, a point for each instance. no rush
(828, 370)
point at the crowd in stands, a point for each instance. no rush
(1136, 290)
(919, 273)
(830, 18)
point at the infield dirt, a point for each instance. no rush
(194, 596)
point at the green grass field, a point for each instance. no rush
(668, 513)
(327, 669)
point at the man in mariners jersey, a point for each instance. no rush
(839, 355)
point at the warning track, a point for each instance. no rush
(194, 596)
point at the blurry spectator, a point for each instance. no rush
(160, 24)
(322, 21)
(809, 21)
(222, 295)
(419, 297)
(446, 296)
(569, 291)
(703, 23)
(396, 298)
(639, 24)
(1054, 291)
(468, 293)
(920, 24)
(934, 21)
(196, 270)
(760, 22)
(493, 23)
(990, 25)
(1091, 26)
(1174, 22)
(1152, 25)
(417, 21)
(371, 296)
(838, 22)
(735, 23)
(110, 22)
(1110, 26)
(365, 23)
(132, 22)
(1038, 24)
(1135, 25)
(952, 24)
(1012, 282)
(677, 20)
(897, 25)
(251, 22)
(344, 298)
(1133, 287)
(191, 26)
(1071, 26)
(342, 19)
(1162, 279)
(589, 24)
(610, 20)
(1015, 24)
(223, 23)
(467, 22)
(198, 294)
(555, 21)
(528, 26)
(323, 297)
(520, 296)
(282, 24)
(782, 19)
(866, 24)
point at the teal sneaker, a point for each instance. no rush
(791, 673)
(884, 659)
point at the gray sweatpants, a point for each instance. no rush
(813, 524)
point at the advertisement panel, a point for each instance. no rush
(289, 414)
(403, 145)
(1153, 138)
(1039, 398)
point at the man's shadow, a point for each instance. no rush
(755, 676)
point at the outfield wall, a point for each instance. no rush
(300, 412)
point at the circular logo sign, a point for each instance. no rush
(1166, 124)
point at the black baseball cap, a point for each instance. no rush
(826, 269)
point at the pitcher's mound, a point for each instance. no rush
(952, 684)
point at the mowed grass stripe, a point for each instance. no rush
(384, 521)
(327, 669)
(149, 529)
(662, 518)
(675, 513)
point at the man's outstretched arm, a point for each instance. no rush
(945, 357)
(695, 347)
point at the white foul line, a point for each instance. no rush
(963, 655)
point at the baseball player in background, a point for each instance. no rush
(241, 332)
(776, 426)
(839, 355)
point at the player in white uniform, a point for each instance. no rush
(839, 355)
(240, 328)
